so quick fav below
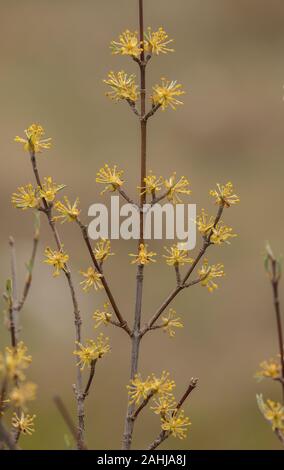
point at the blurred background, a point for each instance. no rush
(229, 58)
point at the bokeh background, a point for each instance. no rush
(229, 57)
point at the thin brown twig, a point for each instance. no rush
(142, 406)
(90, 380)
(122, 322)
(77, 317)
(136, 337)
(66, 417)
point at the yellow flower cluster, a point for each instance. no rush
(170, 322)
(14, 361)
(102, 317)
(175, 188)
(92, 351)
(92, 279)
(102, 250)
(29, 197)
(160, 389)
(128, 44)
(270, 369)
(111, 177)
(24, 423)
(138, 389)
(167, 93)
(123, 86)
(157, 42)
(208, 273)
(57, 259)
(177, 256)
(33, 142)
(152, 184)
(67, 211)
(144, 256)
(273, 412)
(224, 195)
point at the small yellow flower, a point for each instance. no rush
(174, 189)
(162, 385)
(67, 211)
(138, 389)
(272, 411)
(26, 198)
(171, 321)
(93, 279)
(57, 259)
(221, 234)
(144, 256)
(270, 369)
(176, 425)
(25, 423)
(15, 361)
(152, 184)
(128, 44)
(102, 317)
(111, 177)
(163, 405)
(166, 94)
(208, 273)
(33, 141)
(23, 393)
(102, 250)
(204, 224)
(224, 195)
(92, 351)
(50, 189)
(123, 86)
(157, 42)
(177, 256)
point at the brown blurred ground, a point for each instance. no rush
(229, 57)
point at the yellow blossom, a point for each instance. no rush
(144, 256)
(33, 142)
(177, 256)
(221, 234)
(128, 44)
(152, 184)
(166, 94)
(138, 389)
(49, 189)
(67, 211)
(273, 412)
(15, 361)
(171, 321)
(162, 385)
(92, 279)
(23, 393)
(204, 224)
(24, 423)
(176, 425)
(157, 42)
(111, 177)
(163, 405)
(26, 198)
(208, 273)
(270, 369)
(57, 259)
(174, 189)
(92, 351)
(224, 195)
(102, 317)
(102, 250)
(123, 86)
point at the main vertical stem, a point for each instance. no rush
(275, 283)
(136, 334)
